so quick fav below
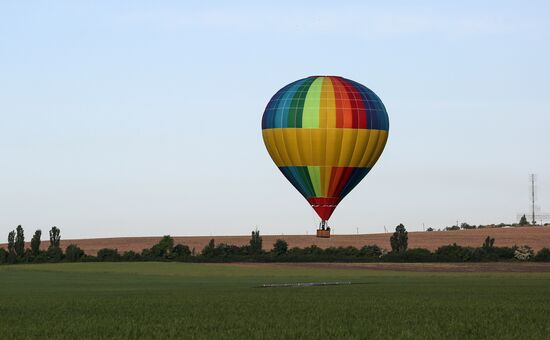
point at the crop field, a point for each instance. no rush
(186, 300)
(535, 237)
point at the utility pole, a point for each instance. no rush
(532, 180)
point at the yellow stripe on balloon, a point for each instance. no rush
(325, 147)
(327, 110)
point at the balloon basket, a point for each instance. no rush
(323, 233)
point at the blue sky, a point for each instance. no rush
(143, 118)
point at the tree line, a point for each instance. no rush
(166, 250)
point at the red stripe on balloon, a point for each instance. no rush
(357, 105)
(345, 176)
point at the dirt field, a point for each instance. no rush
(536, 237)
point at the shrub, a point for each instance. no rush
(523, 253)
(3, 256)
(503, 253)
(543, 255)
(451, 253)
(409, 255)
(181, 250)
(280, 247)
(208, 250)
(130, 255)
(108, 254)
(73, 253)
(42, 257)
(467, 226)
(430, 229)
(146, 254)
(371, 251)
(54, 254)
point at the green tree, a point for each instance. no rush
(280, 247)
(181, 250)
(256, 242)
(107, 254)
(55, 237)
(371, 251)
(73, 253)
(523, 220)
(164, 248)
(19, 245)
(12, 258)
(400, 239)
(489, 243)
(209, 249)
(3, 256)
(35, 242)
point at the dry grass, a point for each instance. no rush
(535, 237)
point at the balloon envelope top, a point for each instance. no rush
(325, 134)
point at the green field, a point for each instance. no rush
(169, 300)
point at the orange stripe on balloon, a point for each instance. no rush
(344, 115)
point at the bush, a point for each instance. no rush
(181, 251)
(54, 254)
(107, 254)
(467, 226)
(208, 250)
(410, 255)
(147, 254)
(3, 256)
(371, 251)
(130, 255)
(451, 253)
(280, 247)
(73, 253)
(523, 253)
(543, 255)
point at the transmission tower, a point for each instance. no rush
(534, 212)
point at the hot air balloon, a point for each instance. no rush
(325, 133)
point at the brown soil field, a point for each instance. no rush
(535, 237)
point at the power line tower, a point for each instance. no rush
(532, 195)
(534, 213)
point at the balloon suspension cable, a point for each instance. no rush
(324, 225)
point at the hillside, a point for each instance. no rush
(536, 237)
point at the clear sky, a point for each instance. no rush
(143, 118)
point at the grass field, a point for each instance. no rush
(169, 300)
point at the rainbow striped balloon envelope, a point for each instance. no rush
(325, 133)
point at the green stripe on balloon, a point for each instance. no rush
(315, 176)
(297, 105)
(312, 102)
